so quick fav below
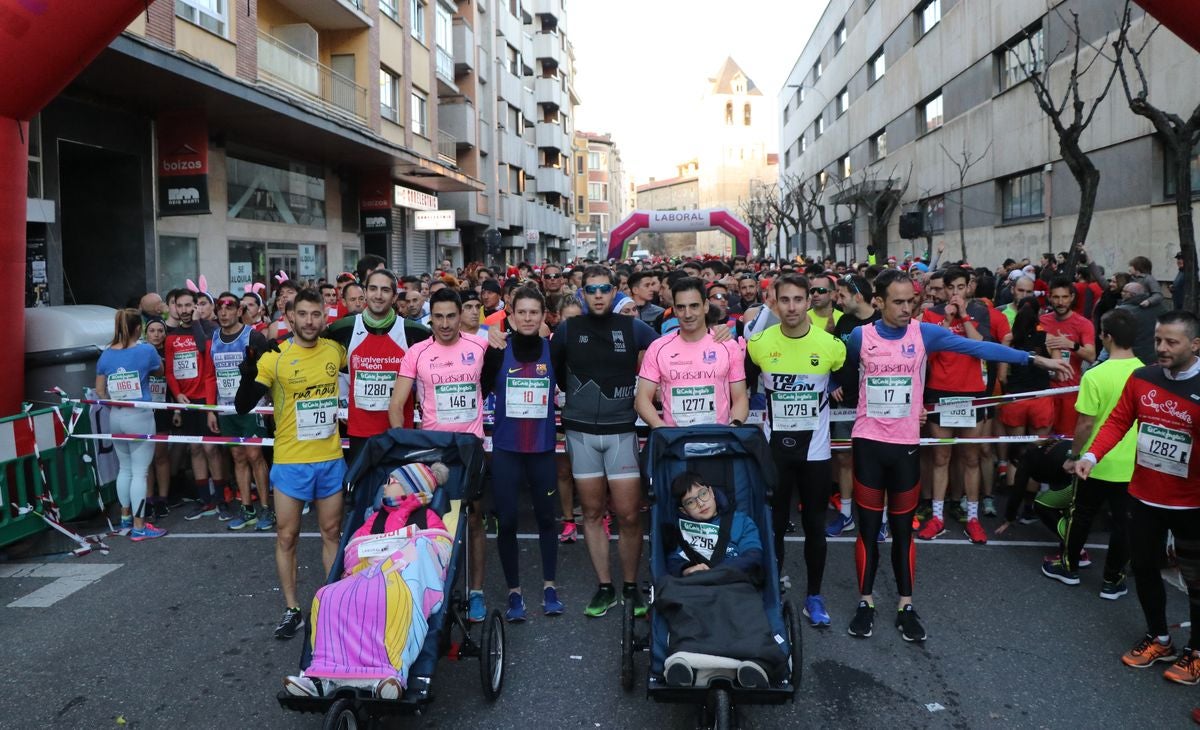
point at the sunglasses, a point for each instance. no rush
(228, 304)
(552, 276)
(597, 288)
(718, 297)
(819, 290)
(848, 279)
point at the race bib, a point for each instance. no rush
(186, 365)
(1164, 449)
(795, 411)
(124, 386)
(228, 380)
(700, 536)
(456, 402)
(316, 419)
(963, 417)
(889, 396)
(373, 389)
(527, 397)
(692, 405)
(158, 389)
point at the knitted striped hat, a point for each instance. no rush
(420, 479)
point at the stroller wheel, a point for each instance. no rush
(722, 710)
(341, 716)
(796, 644)
(491, 655)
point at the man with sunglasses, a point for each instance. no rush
(821, 309)
(552, 279)
(595, 358)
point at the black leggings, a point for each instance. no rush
(894, 471)
(1148, 528)
(814, 481)
(511, 470)
(1090, 494)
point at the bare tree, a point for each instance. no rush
(1070, 114)
(785, 208)
(755, 211)
(882, 199)
(1180, 137)
(963, 162)
(812, 212)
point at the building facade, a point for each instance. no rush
(892, 90)
(601, 186)
(681, 192)
(235, 141)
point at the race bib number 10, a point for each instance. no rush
(527, 397)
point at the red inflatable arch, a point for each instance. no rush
(678, 220)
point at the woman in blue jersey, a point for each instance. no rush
(522, 378)
(123, 374)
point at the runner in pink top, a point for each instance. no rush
(891, 382)
(699, 381)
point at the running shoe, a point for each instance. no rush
(975, 532)
(752, 676)
(909, 623)
(790, 528)
(147, 532)
(301, 686)
(266, 520)
(516, 608)
(863, 622)
(989, 507)
(570, 532)
(1114, 589)
(958, 510)
(551, 606)
(307, 508)
(604, 599)
(1186, 670)
(245, 518)
(840, 524)
(226, 511)
(814, 610)
(1085, 560)
(884, 531)
(633, 593)
(678, 672)
(126, 523)
(932, 529)
(476, 607)
(1055, 570)
(1149, 651)
(1028, 516)
(924, 511)
(292, 621)
(201, 509)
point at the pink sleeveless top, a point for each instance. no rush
(891, 381)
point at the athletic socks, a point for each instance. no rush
(972, 510)
(939, 508)
(845, 506)
(204, 491)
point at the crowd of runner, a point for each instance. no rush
(847, 366)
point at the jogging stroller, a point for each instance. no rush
(347, 707)
(738, 460)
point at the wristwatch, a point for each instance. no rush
(1075, 347)
(735, 422)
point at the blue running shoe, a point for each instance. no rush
(147, 532)
(126, 523)
(245, 518)
(551, 606)
(840, 524)
(884, 531)
(814, 609)
(477, 609)
(516, 609)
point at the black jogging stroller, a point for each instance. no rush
(739, 460)
(463, 454)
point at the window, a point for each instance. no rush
(844, 167)
(839, 37)
(177, 260)
(291, 193)
(786, 110)
(390, 8)
(35, 158)
(211, 15)
(582, 205)
(799, 96)
(729, 113)
(416, 21)
(514, 61)
(818, 69)
(876, 67)
(822, 180)
(595, 160)
(803, 142)
(842, 102)
(879, 146)
(420, 113)
(934, 210)
(930, 115)
(819, 127)
(597, 191)
(928, 14)
(443, 27)
(1021, 196)
(389, 95)
(1168, 174)
(579, 168)
(787, 157)
(746, 115)
(1021, 58)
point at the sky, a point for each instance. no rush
(642, 65)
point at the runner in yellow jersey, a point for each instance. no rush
(301, 375)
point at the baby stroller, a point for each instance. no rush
(739, 460)
(347, 707)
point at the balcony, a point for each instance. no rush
(531, 158)
(549, 135)
(330, 14)
(548, 7)
(552, 180)
(508, 25)
(464, 48)
(447, 147)
(510, 88)
(548, 90)
(444, 70)
(459, 120)
(548, 47)
(284, 66)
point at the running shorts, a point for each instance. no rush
(309, 482)
(613, 455)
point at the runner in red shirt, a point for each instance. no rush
(1072, 337)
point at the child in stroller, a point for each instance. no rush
(369, 626)
(715, 572)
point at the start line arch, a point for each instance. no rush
(676, 221)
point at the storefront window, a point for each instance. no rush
(247, 264)
(177, 261)
(251, 261)
(350, 257)
(259, 192)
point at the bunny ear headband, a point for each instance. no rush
(256, 289)
(201, 289)
(281, 277)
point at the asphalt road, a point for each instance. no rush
(179, 635)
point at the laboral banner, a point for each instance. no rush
(375, 205)
(182, 163)
(678, 220)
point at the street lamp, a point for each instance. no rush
(809, 87)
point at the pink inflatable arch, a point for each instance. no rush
(678, 220)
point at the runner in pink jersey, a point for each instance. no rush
(699, 381)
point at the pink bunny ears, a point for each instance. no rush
(256, 290)
(281, 277)
(202, 289)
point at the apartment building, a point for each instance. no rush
(236, 140)
(883, 87)
(601, 190)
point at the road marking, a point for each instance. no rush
(67, 578)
